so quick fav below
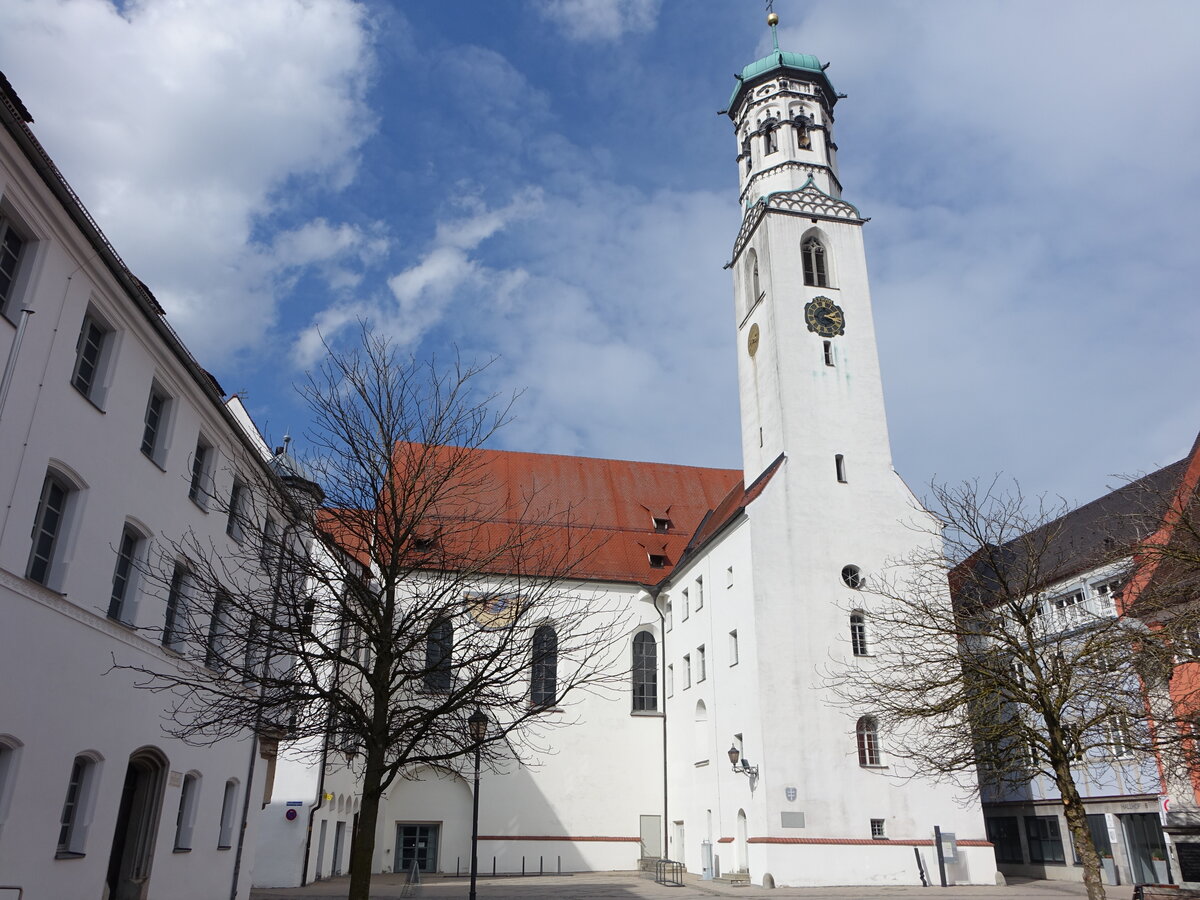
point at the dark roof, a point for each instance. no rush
(1105, 530)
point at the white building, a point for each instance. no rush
(742, 585)
(112, 438)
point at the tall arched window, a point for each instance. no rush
(868, 741)
(645, 672)
(544, 690)
(858, 633)
(753, 283)
(438, 655)
(812, 252)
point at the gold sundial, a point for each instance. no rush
(752, 340)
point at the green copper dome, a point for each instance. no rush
(805, 65)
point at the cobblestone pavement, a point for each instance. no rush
(630, 886)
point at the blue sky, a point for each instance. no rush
(547, 181)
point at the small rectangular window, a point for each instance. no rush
(13, 250)
(123, 575)
(177, 613)
(661, 525)
(729, 577)
(155, 420)
(684, 611)
(218, 629)
(1045, 839)
(657, 560)
(670, 618)
(235, 525)
(733, 648)
(839, 464)
(201, 473)
(877, 829)
(829, 353)
(701, 670)
(687, 671)
(670, 681)
(71, 833)
(228, 813)
(700, 592)
(185, 819)
(47, 529)
(91, 350)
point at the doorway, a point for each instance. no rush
(132, 853)
(339, 841)
(743, 862)
(321, 849)
(678, 848)
(1147, 851)
(417, 844)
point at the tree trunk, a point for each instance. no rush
(1081, 835)
(364, 839)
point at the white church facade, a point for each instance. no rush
(741, 587)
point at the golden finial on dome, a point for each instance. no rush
(773, 19)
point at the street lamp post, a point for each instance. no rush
(477, 723)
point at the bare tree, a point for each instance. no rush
(985, 661)
(383, 607)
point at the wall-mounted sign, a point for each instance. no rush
(290, 815)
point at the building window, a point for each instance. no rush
(828, 351)
(687, 671)
(858, 634)
(270, 541)
(545, 666)
(176, 618)
(670, 681)
(154, 430)
(218, 631)
(839, 467)
(201, 470)
(1005, 836)
(127, 552)
(755, 284)
(661, 525)
(877, 829)
(48, 528)
(729, 577)
(700, 592)
(1106, 596)
(685, 609)
(852, 576)
(10, 749)
(1122, 743)
(812, 252)
(72, 827)
(228, 813)
(733, 648)
(645, 672)
(1044, 839)
(701, 668)
(657, 560)
(867, 732)
(91, 350)
(239, 501)
(439, 654)
(185, 818)
(668, 616)
(12, 247)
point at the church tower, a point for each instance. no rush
(808, 367)
(820, 513)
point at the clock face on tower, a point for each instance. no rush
(824, 317)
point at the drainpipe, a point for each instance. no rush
(312, 812)
(662, 630)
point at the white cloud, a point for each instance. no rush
(182, 125)
(601, 20)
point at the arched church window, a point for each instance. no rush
(645, 672)
(812, 252)
(755, 283)
(438, 656)
(544, 689)
(867, 732)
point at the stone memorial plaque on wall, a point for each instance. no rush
(1189, 860)
(792, 819)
